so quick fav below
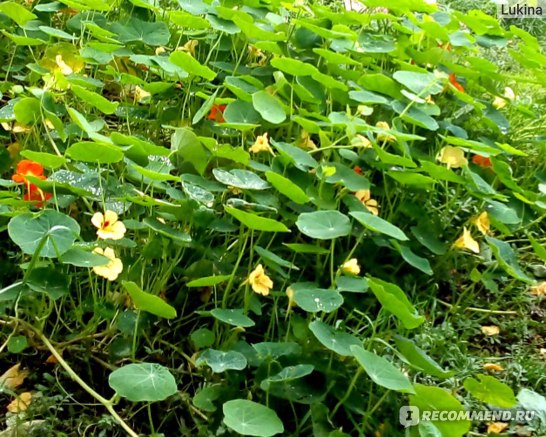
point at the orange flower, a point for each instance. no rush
(457, 85)
(35, 194)
(482, 161)
(358, 170)
(217, 113)
(28, 168)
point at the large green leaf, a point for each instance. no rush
(507, 259)
(269, 107)
(234, 317)
(149, 302)
(220, 361)
(149, 32)
(337, 341)
(189, 149)
(324, 225)
(287, 187)
(143, 382)
(191, 65)
(381, 371)
(378, 224)
(240, 179)
(17, 12)
(418, 358)
(94, 99)
(313, 299)
(52, 231)
(491, 391)
(421, 84)
(99, 153)
(250, 418)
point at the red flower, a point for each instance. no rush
(457, 85)
(482, 161)
(30, 168)
(37, 195)
(27, 168)
(358, 170)
(217, 113)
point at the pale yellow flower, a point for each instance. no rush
(361, 141)
(21, 403)
(483, 223)
(384, 137)
(189, 47)
(140, 94)
(490, 330)
(160, 51)
(499, 102)
(108, 226)
(257, 56)
(466, 241)
(259, 281)
(64, 68)
(539, 289)
(48, 124)
(306, 142)
(261, 145)
(492, 367)
(16, 128)
(509, 93)
(290, 295)
(453, 157)
(351, 266)
(371, 204)
(114, 267)
(496, 427)
(429, 100)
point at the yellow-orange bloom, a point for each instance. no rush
(539, 289)
(21, 403)
(492, 367)
(490, 330)
(384, 137)
(482, 223)
(351, 266)
(108, 226)
(112, 270)
(259, 281)
(466, 241)
(190, 46)
(261, 145)
(371, 204)
(140, 94)
(496, 427)
(453, 157)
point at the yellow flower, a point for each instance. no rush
(21, 403)
(499, 102)
(453, 157)
(493, 367)
(261, 145)
(160, 51)
(361, 141)
(482, 223)
(509, 93)
(108, 226)
(384, 137)
(189, 47)
(290, 295)
(351, 266)
(466, 241)
(260, 282)
(429, 100)
(63, 67)
(490, 330)
(371, 204)
(257, 56)
(140, 94)
(496, 427)
(114, 267)
(539, 289)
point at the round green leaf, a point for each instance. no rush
(314, 300)
(241, 179)
(54, 231)
(421, 84)
(269, 107)
(250, 418)
(324, 225)
(220, 361)
(141, 382)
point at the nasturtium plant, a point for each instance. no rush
(269, 217)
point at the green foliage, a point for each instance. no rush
(306, 215)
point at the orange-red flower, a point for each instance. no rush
(217, 113)
(35, 194)
(28, 168)
(482, 161)
(358, 170)
(457, 85)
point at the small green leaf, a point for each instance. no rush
(507, 259)
(421, 84)
(17, 13)
(287, 187)
(418, 358)
(313, 299)
(166, 230)
(220, 361)
(95, 100)
(17, 344)
(48, 160)
(337, 341)
(99, 153)
(204, 109)
(149, 302)
(254, 221)
(381, 371)
(251, 419)
(234, 317)
(83, 258)
(378, 224)
(191, 65)
(209, 281)
(143, 382)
